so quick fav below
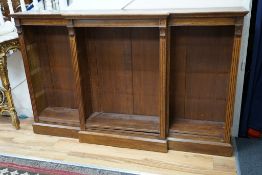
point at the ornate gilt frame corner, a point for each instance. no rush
(6, 100)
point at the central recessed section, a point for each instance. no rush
(120, 78)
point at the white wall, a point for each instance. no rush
(18, 83)
(241, 69)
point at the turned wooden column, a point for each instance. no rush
(77, 76)
(233, 79)
(27, 68)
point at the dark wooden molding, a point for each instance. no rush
(135, 19)
(56, 130)
(133, 142)
(204, 147)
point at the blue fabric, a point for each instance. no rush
(252, 112)
(31, 6)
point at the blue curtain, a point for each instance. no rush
(252, 106)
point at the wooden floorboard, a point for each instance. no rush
(25, 143)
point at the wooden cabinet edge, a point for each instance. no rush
(26, 66)
(196, 146)
(132, 142)
(56, 130)
(138, 20)
(233, 78)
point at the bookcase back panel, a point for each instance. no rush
(199, 72)
(123, 70)
(50, 67)
(145, 56)
(110, 52)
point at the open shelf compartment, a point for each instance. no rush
(126, 122)
(120, 78)
(200, 60)
(51, 75)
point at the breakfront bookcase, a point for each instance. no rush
(151, 80)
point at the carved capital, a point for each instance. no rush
(163, 27)
(162, 22)
(18, 26)
(71, 31)
(239, 26)
(163, 31)
(238, 30)
(70, 27)
(19, 30)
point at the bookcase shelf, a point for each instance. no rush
(125, 122)
(60, 115)
(198, 128)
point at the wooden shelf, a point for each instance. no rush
(125, 122)
(60, 115)
(197, 128)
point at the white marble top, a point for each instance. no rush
(97, 4)
(123, 7)
(93, 7)
(183, 4)
(153, 4)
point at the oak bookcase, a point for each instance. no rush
(153, 80)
